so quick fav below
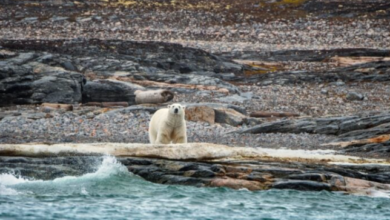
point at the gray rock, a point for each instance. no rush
(329, 125)
(339, 83)
(233, 98)
(354, 96)
(58, 18)
(22, 58)
(237, 108)
(302, 185)
(34, 83)
(30, 20)
(229, 116)
(110, 91)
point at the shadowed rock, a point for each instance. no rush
(110, 91)
(235, 174)
(24, 82)
(328, 125)
(371, 72)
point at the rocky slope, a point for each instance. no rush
(304, 75)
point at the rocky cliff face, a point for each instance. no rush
(23, 80)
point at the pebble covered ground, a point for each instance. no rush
(133, 128)
(87, 124)
(214, 29)
(215, 26)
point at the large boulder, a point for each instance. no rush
(24, 82)
(110, 91)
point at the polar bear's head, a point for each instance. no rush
(176, 109)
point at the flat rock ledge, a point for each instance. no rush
(206, 165)
(357, 133)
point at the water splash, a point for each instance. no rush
(108, 168)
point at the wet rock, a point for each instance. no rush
(302, 185)
(235, 174)
(48, 168)
(236, 184)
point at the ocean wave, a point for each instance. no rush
(109, 167)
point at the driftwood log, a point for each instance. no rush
(153, 96)
(52, 106)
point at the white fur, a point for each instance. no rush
(166, 126)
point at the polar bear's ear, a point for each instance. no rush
(169, 106)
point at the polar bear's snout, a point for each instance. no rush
(176, 110)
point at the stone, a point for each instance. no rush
(232, 99)
(326, 125)
(302, 185)
(110, 91)
(200, 113)
(229, 116)
(35, 83)
(272, 172)
(6, 54)
(354, 96)
(237, 184)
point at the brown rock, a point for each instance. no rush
(238, 184)
(200, 113)
(229, 116)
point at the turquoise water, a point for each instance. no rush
(113, 193)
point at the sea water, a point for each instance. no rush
(111, 192)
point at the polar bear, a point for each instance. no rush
(168, 125)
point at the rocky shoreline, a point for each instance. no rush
(305, 82)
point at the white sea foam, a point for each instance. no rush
(7, 179)
(4, 191)
(379, 194)
(109, 167)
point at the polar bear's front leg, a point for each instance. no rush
(180, 140)
(162, 139)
